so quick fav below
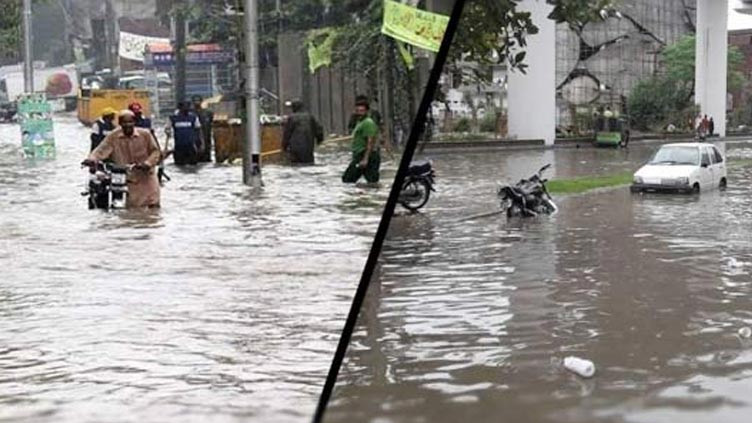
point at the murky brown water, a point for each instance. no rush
(469, 321)
(221, 306)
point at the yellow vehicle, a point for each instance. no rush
(92, 102)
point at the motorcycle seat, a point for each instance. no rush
(419, 168)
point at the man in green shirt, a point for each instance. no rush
(366, 158)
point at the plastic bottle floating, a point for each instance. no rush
(580, 366)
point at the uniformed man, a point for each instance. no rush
(102, 127)
(186, 130)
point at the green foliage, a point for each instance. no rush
(488, 121)
(11, 30)
(463, 124)
(495, 31)
(680, 63)
(667, 98)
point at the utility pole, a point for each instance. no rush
(280, 100)
(179, 54)
(252, 144)
(28, 57)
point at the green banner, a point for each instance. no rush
(406, 55)
(35, 116)
(320, 43)
(414, 26)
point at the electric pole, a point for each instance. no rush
(179, 55)
(28, 56)
(252, 144)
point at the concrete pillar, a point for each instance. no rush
(711, 61)
(531, 97)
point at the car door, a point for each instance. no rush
(706, 170)
(720, 166)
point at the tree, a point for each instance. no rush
(680, 64)
(11, 30)
(667, 98)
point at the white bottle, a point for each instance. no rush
(580, 366)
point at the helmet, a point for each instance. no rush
(107, 111)
(135, 107)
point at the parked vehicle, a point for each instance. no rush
(682, 167)
(107, 185)
(612, 131)
(8, 108)
(528, 197)
(8, 111)
(417, 186)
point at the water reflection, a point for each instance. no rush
(472, 323)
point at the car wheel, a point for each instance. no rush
(722, 184)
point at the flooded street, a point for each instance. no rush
(223, 306)
(470, 321)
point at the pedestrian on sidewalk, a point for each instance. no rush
(711, 127)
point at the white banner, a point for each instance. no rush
(132, 46)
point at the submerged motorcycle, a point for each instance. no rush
(107, 185)
(528, 197)
(417, 186)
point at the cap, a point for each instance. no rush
(108, 111)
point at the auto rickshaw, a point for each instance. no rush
(611, 129)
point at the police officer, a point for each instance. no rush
(186, 130)
(102, 127)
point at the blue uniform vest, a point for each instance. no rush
(184, 130)
(144, 122)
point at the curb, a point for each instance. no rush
(443, 146)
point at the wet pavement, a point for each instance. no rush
(470, 320)
(223, 306)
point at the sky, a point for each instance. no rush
(738, 20)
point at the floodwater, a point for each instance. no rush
(223, 306)
(470, 320)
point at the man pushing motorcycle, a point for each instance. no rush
(132, 146)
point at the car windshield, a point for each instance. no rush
(677, 155)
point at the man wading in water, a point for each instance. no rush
(129, 145)
(366, 159)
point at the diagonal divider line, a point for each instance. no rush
(378, 241)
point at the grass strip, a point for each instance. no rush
(587, 183)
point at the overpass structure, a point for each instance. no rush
(532, 96)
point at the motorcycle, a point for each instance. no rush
(8, 112)
(107, 185)
(528, 197)
(417, 187)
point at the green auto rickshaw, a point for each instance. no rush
(611, 129)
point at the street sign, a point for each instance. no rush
(35, 117)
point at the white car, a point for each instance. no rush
(682, 167)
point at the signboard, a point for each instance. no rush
(414, 26)
(192, 57)
(35, 116)
(133, 46)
